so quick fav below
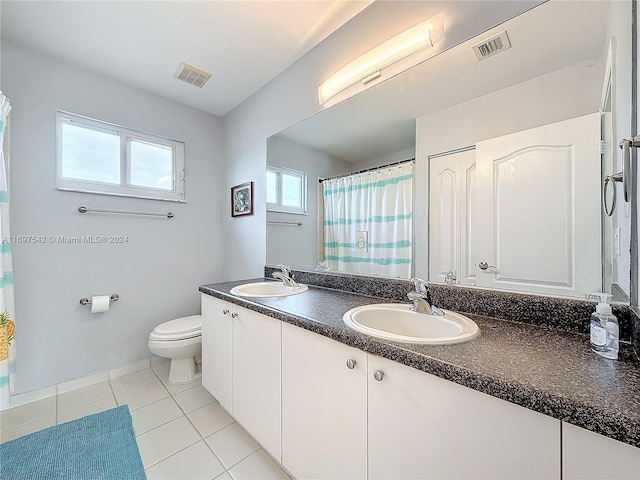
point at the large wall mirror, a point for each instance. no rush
(483, 173)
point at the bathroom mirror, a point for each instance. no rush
(446, 113)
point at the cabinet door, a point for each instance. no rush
(324, 415)
(589, 456)
(256, 376)
(538, 209)
(422, 427)
(216, 349)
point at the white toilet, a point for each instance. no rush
(181, 341)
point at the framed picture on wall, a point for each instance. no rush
(242, 199)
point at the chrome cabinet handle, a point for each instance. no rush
(225, 311)
(378, 375)
(351, 364)
(485, 265)
(234, 315)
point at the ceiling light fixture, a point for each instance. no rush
(369, 66)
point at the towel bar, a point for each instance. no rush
(82, 209)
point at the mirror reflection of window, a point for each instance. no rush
(272, 186)
(292, 189)
(286, 190)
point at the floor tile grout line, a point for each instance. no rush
(156, 373)
(174, 453)
(115, 399)
(184, 414)
(142, 386)
(81, 406)
(5, 412)
(25, 424)
(131, 389)
(188, 388)
(57, 397)
(158, 426)
(173, 419)
(204, 439)
(243, 458)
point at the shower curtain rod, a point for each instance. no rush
(320, 180)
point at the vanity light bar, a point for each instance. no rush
(368, 67)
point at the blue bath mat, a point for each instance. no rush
(97, 447)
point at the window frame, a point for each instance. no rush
(278, 206)
(124, 188)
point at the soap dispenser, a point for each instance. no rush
(604, 328)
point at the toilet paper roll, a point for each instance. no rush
(100, 303)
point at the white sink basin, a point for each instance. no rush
(395, 321)
(267, 289)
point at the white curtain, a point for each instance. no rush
(7, 307)
(368, 222)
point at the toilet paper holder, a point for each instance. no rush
(112, 298)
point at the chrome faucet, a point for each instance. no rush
(422, 299)
(285, 276)
(450, 277)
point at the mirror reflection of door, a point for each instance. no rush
(452, 203)
(538, 209)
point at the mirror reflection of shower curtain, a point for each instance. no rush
(368, 224)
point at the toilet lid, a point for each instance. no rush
(180, 328)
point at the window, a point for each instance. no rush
(286, 190)
(99, 157)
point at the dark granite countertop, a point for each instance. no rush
(547, 370)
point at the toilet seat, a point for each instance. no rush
(178, 329)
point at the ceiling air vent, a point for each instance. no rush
(496, 44)
(192, 75)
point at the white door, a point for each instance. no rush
(452, 180)
(425, 427)
(324, 414)
(216, 349)
(257, 347)
(537, 222)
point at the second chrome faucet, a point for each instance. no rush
(422, 299)
(285, 276)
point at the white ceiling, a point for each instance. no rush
(244, 44)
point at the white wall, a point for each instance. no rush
(156, 273)
(292, 97)
(406, 154)
(546, 99)
(298, 246)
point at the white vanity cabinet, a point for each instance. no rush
(257, 346)
(241, 362)
(216, 350)
(328, 410)
(345, 423)
(324, 414)
(422, 426)
(589, 456)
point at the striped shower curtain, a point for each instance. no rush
(7, 327)
(368, 225)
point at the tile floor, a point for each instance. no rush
(181, 430)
